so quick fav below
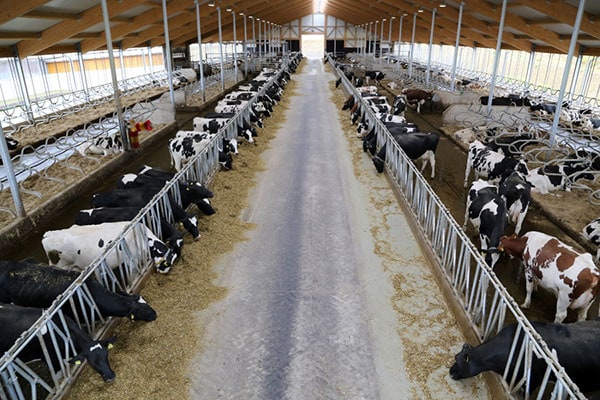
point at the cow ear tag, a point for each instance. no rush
(132, 318)
(77, 362)
(110, 346)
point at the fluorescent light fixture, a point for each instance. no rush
(211, 3)
(241, 13)
(443, 4)
(420, 9)
(228, 9)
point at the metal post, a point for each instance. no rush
(259, 39)
(457, 45)
(200, 60)
(10, 175)
(430, 46)
(168, 55)
(529, 68)
(253, 38)
(245, 48)
(22, 85)
(375, 39)
(588, 76)
(400, 39)
(381, 41)
(412, 46)
(235, 68)
(390, 39)
(82, 73)
(150, 57)
(566, 72)
(122, 62)
(220, 48)
(497, 57)
(576, 74)
(115, 82)
(334, 36)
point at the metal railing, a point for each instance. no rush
(484, 299)
(19, 380)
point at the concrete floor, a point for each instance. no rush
(330, 297)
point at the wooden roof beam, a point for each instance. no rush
(148, 17)
(16, 9)
(564, 13)
(66, 29)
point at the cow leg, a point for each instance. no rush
(562, 304)
(428, 157)
(582, 313)
(529, 285)
(467, 173)
(520, 219)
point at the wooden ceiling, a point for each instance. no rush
(30, 27)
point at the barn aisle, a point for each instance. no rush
(320, 306)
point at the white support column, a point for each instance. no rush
(200, 60)
(497, 57)
(381, 40)
(427, 78)
(220, 48)
(412, 46)
(457, 45)
(245, 46)
(390, 39)
(115, 82)
(565, 77)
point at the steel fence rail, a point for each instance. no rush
(19, 381)
(484, 299)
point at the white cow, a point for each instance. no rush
(75, 248)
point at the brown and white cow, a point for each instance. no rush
(572, 276)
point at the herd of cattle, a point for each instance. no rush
(499, 196)
(28, 286)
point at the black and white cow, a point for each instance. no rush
(213, 125)
(94, 216)
(12, 144)
(489, 164)
(552, 177)
(377, 76)
(417, 145)
(16, 319)
(75, 248)
(105, 145)
(191, 193)
(487, 212)
(592, 233)
(187, 144)
(510, 100)
(576, 345)
(140, 197)
(516, 193)
(30, 284)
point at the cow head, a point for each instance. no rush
(465, 366)
(512, 246)
(97, 357)
(140, 310)
(399, 105)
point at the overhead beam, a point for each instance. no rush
(65, 29)
(565, 13)
(16, 9)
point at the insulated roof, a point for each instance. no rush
(30, 27)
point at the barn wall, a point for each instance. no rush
(343, 33)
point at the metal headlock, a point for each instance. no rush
(18, 380)
(483, 297)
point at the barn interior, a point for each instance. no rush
(360, 284)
